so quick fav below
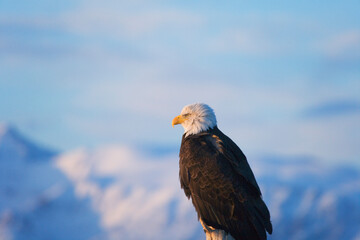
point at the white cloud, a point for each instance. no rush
(127, 21)
(247, 41)
(343, 45)
(267, 35)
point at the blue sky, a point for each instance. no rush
(283, 78)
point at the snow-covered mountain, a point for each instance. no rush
(308, 200)
(37, 201)
(119, 192)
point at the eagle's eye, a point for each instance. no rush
(186, 114)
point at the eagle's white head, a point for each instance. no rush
(196, 118)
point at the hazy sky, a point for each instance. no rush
(283, 77)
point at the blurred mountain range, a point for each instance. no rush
(121, 192)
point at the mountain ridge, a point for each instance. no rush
(15, 144)
(119, 192)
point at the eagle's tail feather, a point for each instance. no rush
(263, 214)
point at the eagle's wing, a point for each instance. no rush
(236, 158)
(225, 195)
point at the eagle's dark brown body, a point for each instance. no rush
(216, 175)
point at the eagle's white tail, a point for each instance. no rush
(215, 234)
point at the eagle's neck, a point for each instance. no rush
(197, 127)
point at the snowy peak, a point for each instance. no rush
(15, 146)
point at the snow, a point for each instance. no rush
(36, 199)
(139, 191)
(121, 192)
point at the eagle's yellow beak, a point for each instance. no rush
(178, 120)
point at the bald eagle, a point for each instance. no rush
(215, 174)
